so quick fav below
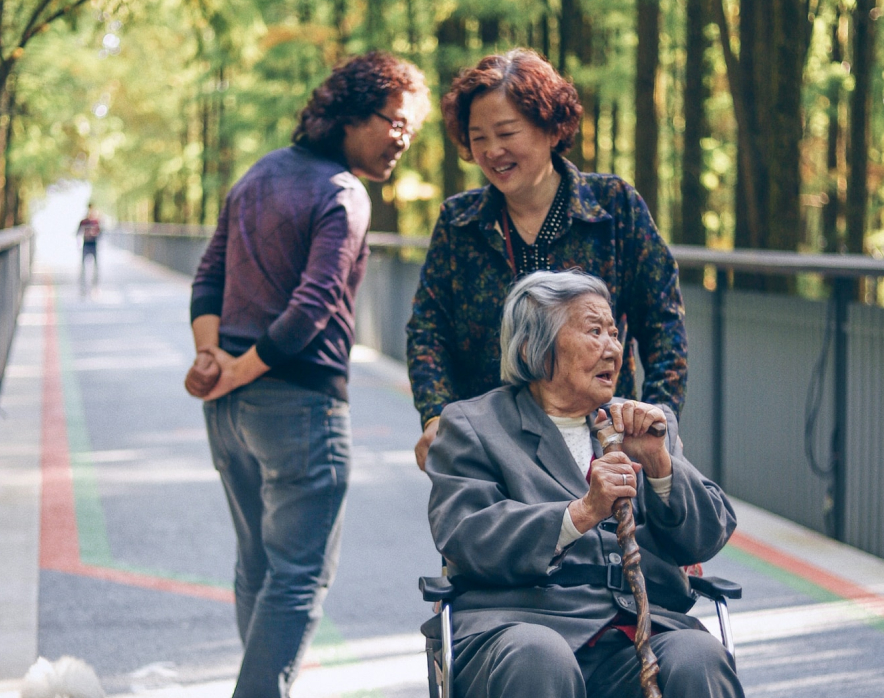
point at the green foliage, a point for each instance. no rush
(199, 89)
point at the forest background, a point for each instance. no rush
(743, 123)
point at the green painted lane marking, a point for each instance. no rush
(91, 525)
(803, 586)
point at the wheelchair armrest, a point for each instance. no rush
(716, 588)
(437, 589)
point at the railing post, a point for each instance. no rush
(842, 292)
(718, 470)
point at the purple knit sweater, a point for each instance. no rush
(284, 264)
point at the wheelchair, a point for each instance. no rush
(440, 591)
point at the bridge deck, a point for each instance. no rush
(118, 547)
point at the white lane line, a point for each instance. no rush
(211, 689)
(779, 623)
(115, 362)
(316, 682)
(367, 675)
(365, 648)
(793, 658)
(841, 681)
(372, 663)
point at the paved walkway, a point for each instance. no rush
(118, 549)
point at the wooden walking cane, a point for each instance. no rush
(611, 441)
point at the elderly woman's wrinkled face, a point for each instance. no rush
(588, 354)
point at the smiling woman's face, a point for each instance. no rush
(588, 359)
(514, 154)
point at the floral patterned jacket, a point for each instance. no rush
(454, 330)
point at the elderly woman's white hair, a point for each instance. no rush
(535, 311)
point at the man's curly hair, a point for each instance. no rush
(534, 87)
(353, 91)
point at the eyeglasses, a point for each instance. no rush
(398, 129)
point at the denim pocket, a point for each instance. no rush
(278, 436)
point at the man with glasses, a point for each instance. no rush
(397, 128)
(272, 316)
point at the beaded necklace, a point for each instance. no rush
(525, 258)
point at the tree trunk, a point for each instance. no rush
(751, 174)
(832, 205)
(384, 214)
(413, 34)
(182, 212)
(374, 24)
(452, 37)
(615, 119)
(696, 127)
(489, 32)
(569, 32)
(646, 125)
(19, 207)
(7, 114)
(783, 147)
(544, 30)
(225, 149)
(592, 162)
(179, 199)
(157, 209)
(11, 202)
(766, 87)
(575, 39)
(205, 112)
(860, 103)
(305, 11)
(341, 21)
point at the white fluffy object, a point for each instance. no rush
(64, 678)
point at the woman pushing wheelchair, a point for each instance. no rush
(521, 510)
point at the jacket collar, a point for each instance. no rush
(582, 203)
(552, 451)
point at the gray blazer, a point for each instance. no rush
(502, 477)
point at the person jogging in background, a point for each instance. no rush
(90, 230)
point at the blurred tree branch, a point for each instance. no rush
(16, 31)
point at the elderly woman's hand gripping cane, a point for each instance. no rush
(612, 440)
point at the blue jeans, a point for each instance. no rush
(283, 453)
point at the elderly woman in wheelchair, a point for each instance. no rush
(521, 511)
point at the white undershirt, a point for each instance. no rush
(575, 431)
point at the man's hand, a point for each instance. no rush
(203, 374)
(423, 445)
(235, 372)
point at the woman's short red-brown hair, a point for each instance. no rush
(534, 87)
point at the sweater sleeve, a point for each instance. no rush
(430, 334)
(654, 306)
(207, 294)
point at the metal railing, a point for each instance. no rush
(16, 258)
(837, 335)
(774, 380)
(178, 247)
(785, 394)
